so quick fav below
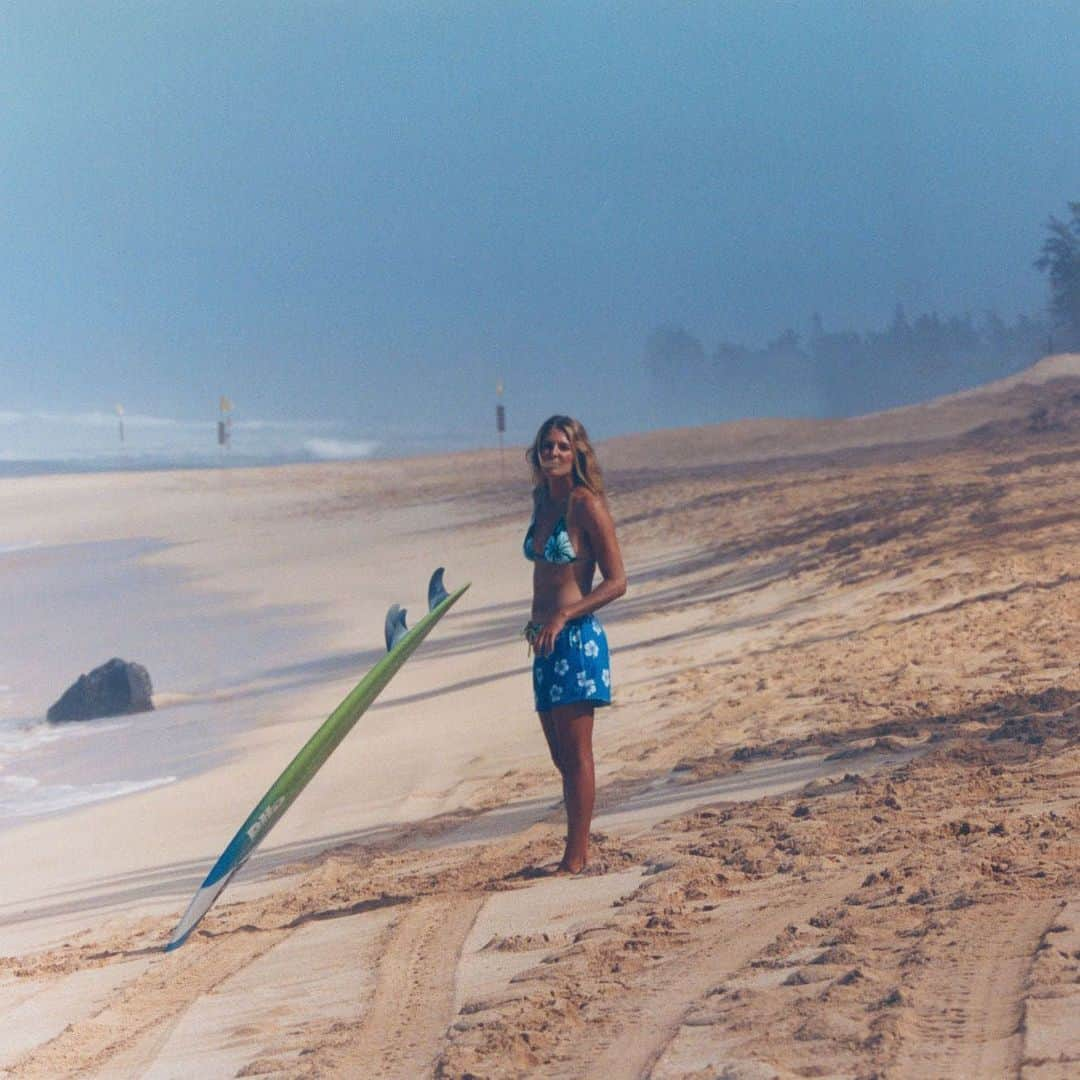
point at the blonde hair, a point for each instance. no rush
(587, 472)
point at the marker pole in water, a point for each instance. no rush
(224, 424)
(500, 423)
(401, 644)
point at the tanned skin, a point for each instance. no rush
(562, 593)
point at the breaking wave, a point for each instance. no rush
(23, 796)
(340, 449)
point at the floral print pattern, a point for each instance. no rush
(578, 669)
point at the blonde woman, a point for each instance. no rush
(571, 536)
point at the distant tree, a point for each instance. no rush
(672, 352)
(1060, 261)
(899, 332)
(788, 342)
(683, 383)
(843, 367)
(835, 372)
(732, 358)
(766, 381)
(1008, 349)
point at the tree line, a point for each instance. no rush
(839, 372)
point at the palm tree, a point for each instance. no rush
(1060, 260)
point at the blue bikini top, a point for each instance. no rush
(558, 548)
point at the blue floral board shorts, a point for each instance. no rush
(578, 669)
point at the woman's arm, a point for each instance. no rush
(595, 521)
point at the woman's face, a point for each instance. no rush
(556, 454)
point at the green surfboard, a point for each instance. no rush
(401, 644)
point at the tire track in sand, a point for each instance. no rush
(641, 1024)
(402, 1031)
(969, 1005)
(142, 1014)
(125, 1036)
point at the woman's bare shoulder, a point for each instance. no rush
(587, 504)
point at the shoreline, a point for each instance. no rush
(92, 600)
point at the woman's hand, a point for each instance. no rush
(545, 640)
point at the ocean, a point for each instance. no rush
(64, 609)
(37, 443)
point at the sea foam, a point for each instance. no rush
(24, 796)
(10, 549)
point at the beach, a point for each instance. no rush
(838, 790)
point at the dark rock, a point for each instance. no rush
(117, 688)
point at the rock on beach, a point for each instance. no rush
(116, 688)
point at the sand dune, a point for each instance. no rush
(839, 790)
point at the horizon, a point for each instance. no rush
(361, 220)
(279, 443)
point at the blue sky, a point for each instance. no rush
(359, 214)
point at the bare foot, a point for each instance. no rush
(567, 867)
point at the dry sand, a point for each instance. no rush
(838, 809)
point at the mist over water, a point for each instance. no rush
(37, 442)
(353, 220)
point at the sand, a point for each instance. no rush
(839, 791)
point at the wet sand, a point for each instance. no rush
(839, 792)
(66, 608)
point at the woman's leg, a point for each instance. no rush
(548, 724)
(573, 727)
(552, 736)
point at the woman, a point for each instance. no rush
(570, 537)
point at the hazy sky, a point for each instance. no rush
(361, 213)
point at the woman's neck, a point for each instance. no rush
(558, 489)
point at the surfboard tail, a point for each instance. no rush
(395, 628)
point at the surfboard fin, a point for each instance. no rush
(395, 625)
(436, 590)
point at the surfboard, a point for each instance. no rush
(401, 643)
